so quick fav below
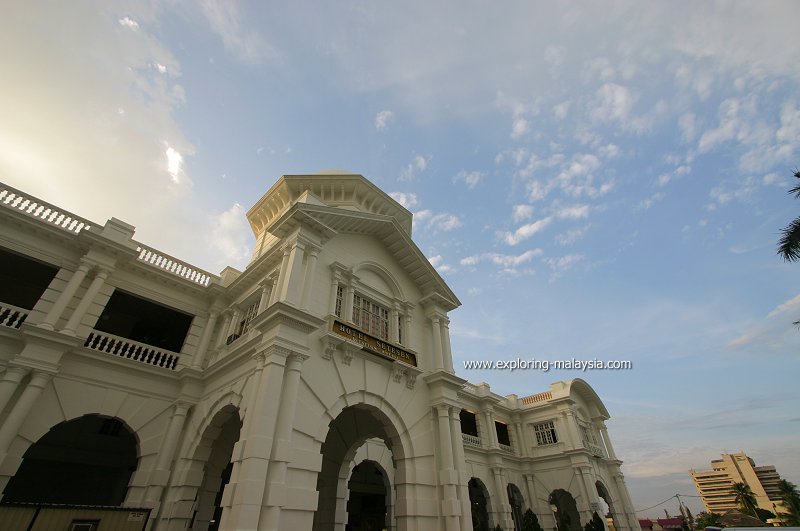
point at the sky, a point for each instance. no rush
(599, 180)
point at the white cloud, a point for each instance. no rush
(128, 22)
(436, 222)
(416, 166)
(507, 263)
(612, 103)
(522, 212)
(772, 333)
(645, 204)
(520, 126)
(438, 263)
(560, 111)
(174, 164)
(245, 44)
(471, 178)
(561, 265)
(571, 236)
(526, 231)
(688, 126)
(573, 212)
(383, 119)
(229, 236)
(407, 200)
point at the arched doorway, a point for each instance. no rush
(346, 434)
(84, 461)
(368, 503)
(221, 434)
(517, 502)
(566, 511)
(602, 491)
(479, 501)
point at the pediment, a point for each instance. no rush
(329, 221)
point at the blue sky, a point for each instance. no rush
(594, 181)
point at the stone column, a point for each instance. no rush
(446, 352)
(223, 330)
(607, 440)
(244, 495)
(292, 285)
(450, 507)
(572, 428)
(491, 431)
(460, 465)
(437, 343)
(626, 504)
(394, 331)
(584, 474)
(88, 298)
(21, 410)
(332, 299)
(266, 291)
(275, 487)
(589, 495)
(274, 278)
(205, 339)
(502, 505)
(541, 507)
(65, 296)
(159, 477)
(522, 446)
(308, 280)
(8, 385)
(283, 273)
(347, 311)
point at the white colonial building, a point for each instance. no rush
(314, 390)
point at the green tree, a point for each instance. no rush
(789, 244)
(745, 498)
(498, 528)
(595, 524)
(702, 520)
(791, 501)
(530, 522)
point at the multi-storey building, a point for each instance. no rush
(313, 390)
(715, 485)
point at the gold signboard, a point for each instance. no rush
(373, 344)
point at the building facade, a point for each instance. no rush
(314, 390)
(715, 485)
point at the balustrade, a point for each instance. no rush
(12, 316)
(471, 440)
(132, 350)
(42, 210)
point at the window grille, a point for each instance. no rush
(339, 300)
(371, 317)
(545, 433)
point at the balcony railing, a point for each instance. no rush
(539, 397)
(507, 448)
(11, 316)
(132, 350)
(471, 440)
(173, 265)
(595, 449)
(41, 210)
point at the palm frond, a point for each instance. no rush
(789, 244)
(795, 190)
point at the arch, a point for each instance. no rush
(384, 275)
(369, 500)
(212, 456)
(605, 495)
(88, 460)
(349, 430)
(480, 502)
(517, 503)
(588, 395)
(566, 510)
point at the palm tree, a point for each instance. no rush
(791, 500)
(789, 244)
(746, 498)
